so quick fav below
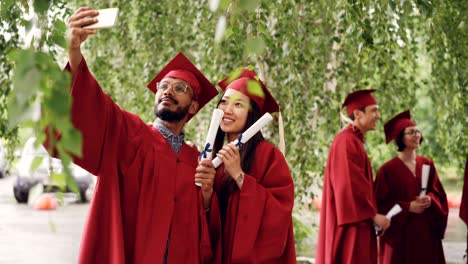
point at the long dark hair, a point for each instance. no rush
(247, 150)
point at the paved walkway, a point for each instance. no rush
(455, 238)
(454, 243)
(20, 225)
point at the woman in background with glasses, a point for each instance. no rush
(416, 233)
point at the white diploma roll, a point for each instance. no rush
(249, 133)
(207, 152)
(396, 209)
(424, 178)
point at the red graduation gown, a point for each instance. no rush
(411, 238)
(258, 226)
(144, 190)
(346, 233)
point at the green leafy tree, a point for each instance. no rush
(38, 89)
(310, 54)
(9, 40)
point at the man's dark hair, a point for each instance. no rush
(399, 141)
(362, 109)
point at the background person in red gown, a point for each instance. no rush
(254, 184)
(146, 207)
(416, 233)
(349, 211)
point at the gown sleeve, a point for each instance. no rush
(385, 201)
(210, 240)
(264, 210)
(101, 122)
(437, 213)
(351, 183)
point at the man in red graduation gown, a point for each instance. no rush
(146, 207)
(349, 211)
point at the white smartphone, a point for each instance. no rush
(106, 19)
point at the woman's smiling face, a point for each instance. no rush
(235, 106)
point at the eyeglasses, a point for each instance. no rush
(413, 132)
(178, 87)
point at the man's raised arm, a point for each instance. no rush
(77, 34)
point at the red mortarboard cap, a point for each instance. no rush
(263, 99)
(181, 67)
(359, 99)
(395, 125)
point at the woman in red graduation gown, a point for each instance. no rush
(254, 184)
(415, 235)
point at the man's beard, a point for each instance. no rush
(171, 116)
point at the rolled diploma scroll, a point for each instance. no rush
(424, 178)
(396, 209)
(250, 132)
(207, 152)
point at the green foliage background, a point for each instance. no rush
(309, 53)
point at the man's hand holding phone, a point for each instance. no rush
(84, 22)
(106, 19)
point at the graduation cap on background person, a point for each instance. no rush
(394, 126)
(248, 83)
(181, 67)
(358, 99)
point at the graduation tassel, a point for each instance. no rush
(282, 143)
(345, 120)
